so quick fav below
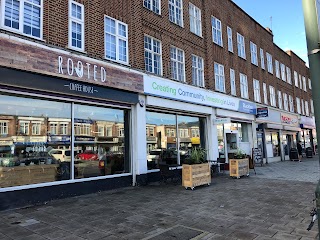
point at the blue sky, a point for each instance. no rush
(287, 22)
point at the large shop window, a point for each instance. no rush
(171, 137)
(36, 141)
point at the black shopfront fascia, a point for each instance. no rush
(21, 81)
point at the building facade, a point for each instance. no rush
(95, 95)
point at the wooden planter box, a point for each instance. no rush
(239, 167)
(195, 175)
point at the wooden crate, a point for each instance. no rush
(196, 175)
(239, 167)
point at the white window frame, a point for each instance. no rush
(197, 70)
(233, 82)
(195, 19)
(241, 46)
(22, 18)
(219, 77)
(283, 72)
(300, 82)
(269, 63)
(256, 90)
(311, 107)
(216, 31)
(280, 103)
(304, 82)
(289, 80)
(265, 93)
(309, 82)
(176, 8)
(76, 20)
(306, 105)
(153, 5)
(63, 127)
(291, 106)
(272, 96)
(153, 54)
(118, 37)
(277, 67)
(230, 39)
(244, 86)
(295, 76)
(177, 62)
(4, 127)
(298, 105)
(254, 53)
(285, 102)
(262, 59)
(36, 128)
(302, 107)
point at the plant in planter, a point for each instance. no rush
(240, 154)
(196, 171)
(239, 166)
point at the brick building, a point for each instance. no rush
(136, 84)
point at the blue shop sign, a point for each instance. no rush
(247, 107)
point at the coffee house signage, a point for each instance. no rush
(37, 58)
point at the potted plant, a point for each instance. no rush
(239, 165)
(196, 171)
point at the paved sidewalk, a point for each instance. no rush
(274, 204)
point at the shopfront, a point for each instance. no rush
(308, 134)
(64, 132)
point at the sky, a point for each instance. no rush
(285, 18)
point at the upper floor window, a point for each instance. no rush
(262, 58)
(175, 12)
(289, 75)
(152, 55)
(265, 94)
(244, 86)
(116, 40)
(153, 5)
(216, 31)
(298, 105)
(24, 127)
(300, 82)
(76, 26)
(3, 128)
(63, 128)
(197, 71)
(283, 72)
(304, 84)
(241, 46)
(254, 54)
(256, 90)
(23, 16)
(277, 66)
(233, 82)
(280, 99)
(195, 20)
(219, 77)
(269, 63)
(311, 106)
(272, 96)
(296, 81)
(309, 81)
(307, 108)
(230, 41)
(285, 102)
(302, 107)
(291, 108)
(177, 64)
(36, 128)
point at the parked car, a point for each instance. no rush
(62, 155)
(87, 155)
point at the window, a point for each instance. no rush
(241, 46)
(116, 40)
(256, 89)
(298, 105)
(53, 128)
(216, 31)
(280, 99)
(262, 58)
(311, 106)
(175, 12)
(307, 108)
(309, 81)
(76, 26)
(3, 128)
(291, 104)
(230, 41)
(300, 82)
(195, 20)
(24, 127)
(269, 63)
(272, 96)
(283, 72)
(265, 94)
(276, 63)
(289, 75)
(177, 64)
(197, 71)
(254, 54)
(302, 107)
(152, 55)
(295, 76)
(36, 126)
(63, 128)
(109, 132)
(244, 86)
(23, 16)
(219, 77)
(153, 5)
(304, 84)
(120, 131)
(285, 102)
(233, 82)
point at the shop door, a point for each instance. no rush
(231, 143)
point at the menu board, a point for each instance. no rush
(257, 155)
